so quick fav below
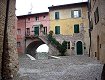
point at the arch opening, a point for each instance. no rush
(31, 48)
(42, 52)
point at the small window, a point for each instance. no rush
(18, 44)
(56, 15)
(96, 16)
(76, 13)
(28, 19)
(57, 29)
(91, 24)
(45, 30)
(36, 18)
(44, 17)
(27, 31)
(18, 31)
(76, 28)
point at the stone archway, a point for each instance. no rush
(31, 48)
(79, 48)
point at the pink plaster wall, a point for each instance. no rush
(24, 22)
(45, 21)
(21, 36)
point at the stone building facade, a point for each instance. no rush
(8, 50)
(97, 29)
(69, 22)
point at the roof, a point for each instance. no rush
(67, 5)
(33, 14)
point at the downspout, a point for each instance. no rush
(89, 26)
(90, 41)
(5, 47)
(25, 35)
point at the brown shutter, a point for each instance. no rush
(79, 13)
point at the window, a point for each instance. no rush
(90, 5)
(91, 24)
(56, 15)
(96, 16)
(57, 29)
(27, 31)
(68, 45)
(28, 19)
(36, 18)
(18, 44)
(76, 13)
(44, 17)
(76, 28)
(45, 30)
(18, 31)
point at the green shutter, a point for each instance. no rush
(76, 28)
(79, 48)
(57, 29)
(72, 14)
(56, 15)
(36, 30)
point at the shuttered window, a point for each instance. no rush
(56, 15)
(57, 29)
(76, 28)
(75, 13)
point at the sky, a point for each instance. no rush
(43, 48)
(38, 6)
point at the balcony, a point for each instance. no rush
(31, 36)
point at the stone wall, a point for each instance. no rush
(73, 40)
(9, 58)
(2, 23)
(98, 32)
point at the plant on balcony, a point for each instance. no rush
(61, 47)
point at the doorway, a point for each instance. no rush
(36, 30)
(79, 48)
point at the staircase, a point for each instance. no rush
(52, 49)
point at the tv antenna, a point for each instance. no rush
(30, 11)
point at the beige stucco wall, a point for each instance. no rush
(65, 22)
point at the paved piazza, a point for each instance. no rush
(64, 68)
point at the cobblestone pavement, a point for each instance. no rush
(65, 68)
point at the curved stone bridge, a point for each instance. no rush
(33, 44)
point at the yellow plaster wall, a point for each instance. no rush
(66, 23)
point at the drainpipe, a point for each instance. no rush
(89, 26)
(25, 36)
(5, 61)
